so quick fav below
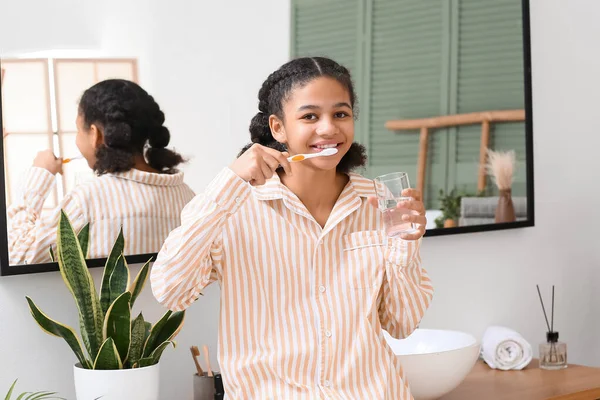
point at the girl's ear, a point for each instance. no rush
(97, 136)
(277, 129)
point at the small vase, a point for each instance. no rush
(505, 211)
(449, 223)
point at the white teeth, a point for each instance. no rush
(326, 146)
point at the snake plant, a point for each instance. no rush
(31, 395)
(111, 338)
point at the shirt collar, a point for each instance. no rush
(273, 188)
(150, 178)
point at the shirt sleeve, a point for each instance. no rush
(186, 262)
(31, 233)
(407, 291)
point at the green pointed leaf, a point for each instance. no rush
(148, 329)
(144, 362)
(167, 331)
(117, 324)
(154, 358)
(39, 396)
(12, 387)
(84, 239)
(52, 257)
(139, 282)
(151, 342)
(138, 337)
(111, 261)
(157, 353)
(78, 279)
(108, 356)
(56, 329)
(42, 396)
(119, 280)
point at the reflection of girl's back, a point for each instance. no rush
(122, 137)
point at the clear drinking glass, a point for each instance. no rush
(389, 188)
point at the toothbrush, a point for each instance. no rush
(68, 160)
(196, 353)
(207, 359)
(301, 157)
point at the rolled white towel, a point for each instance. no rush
(503, 348)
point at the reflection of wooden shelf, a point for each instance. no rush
(574, 383)
(444, 121)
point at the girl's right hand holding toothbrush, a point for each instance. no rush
(47, 160)
(259, 163)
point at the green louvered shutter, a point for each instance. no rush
(405, 80)
(328, 28)
(489, 77)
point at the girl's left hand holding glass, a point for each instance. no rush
(47, 160)
(416, 216)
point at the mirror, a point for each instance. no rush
(440, 84)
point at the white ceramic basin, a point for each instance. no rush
(435, 361)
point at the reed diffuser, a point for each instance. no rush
(553, 354)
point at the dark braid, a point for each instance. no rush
(277, 88)
(132, 124)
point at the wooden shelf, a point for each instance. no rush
(424, 125)
(532, 383)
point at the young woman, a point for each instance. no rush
(308, 278)
(121, 135)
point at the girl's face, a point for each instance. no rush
(317, 115)
(87, 140)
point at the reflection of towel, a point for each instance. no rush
(502, 348)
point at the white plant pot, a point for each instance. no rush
(121, 384)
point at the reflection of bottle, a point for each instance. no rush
(219, 391)
(553, 354)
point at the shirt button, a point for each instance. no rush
(320, 243)
(238, 200)
(328, 333)
(322, 289)
(327, 383)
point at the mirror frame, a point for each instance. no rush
(6, 269)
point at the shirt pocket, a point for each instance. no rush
(364, 258)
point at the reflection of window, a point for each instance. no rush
(417, 59)
(39, 108)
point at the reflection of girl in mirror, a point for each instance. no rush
(121, 135)
(308, 278)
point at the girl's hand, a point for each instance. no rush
(259, 163)
(417, 217)
(46, 159)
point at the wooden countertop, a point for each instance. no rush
(573, 383)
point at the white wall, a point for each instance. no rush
(480, 279)
(32, 25)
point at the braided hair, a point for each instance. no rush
(132, 124)
(277, 89)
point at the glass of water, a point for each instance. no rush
(389, 188)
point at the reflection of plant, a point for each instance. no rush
(112, 339)
(31, 395)
(501, 166)
(450, 206)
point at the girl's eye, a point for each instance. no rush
(309, 117)
(341, 114)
